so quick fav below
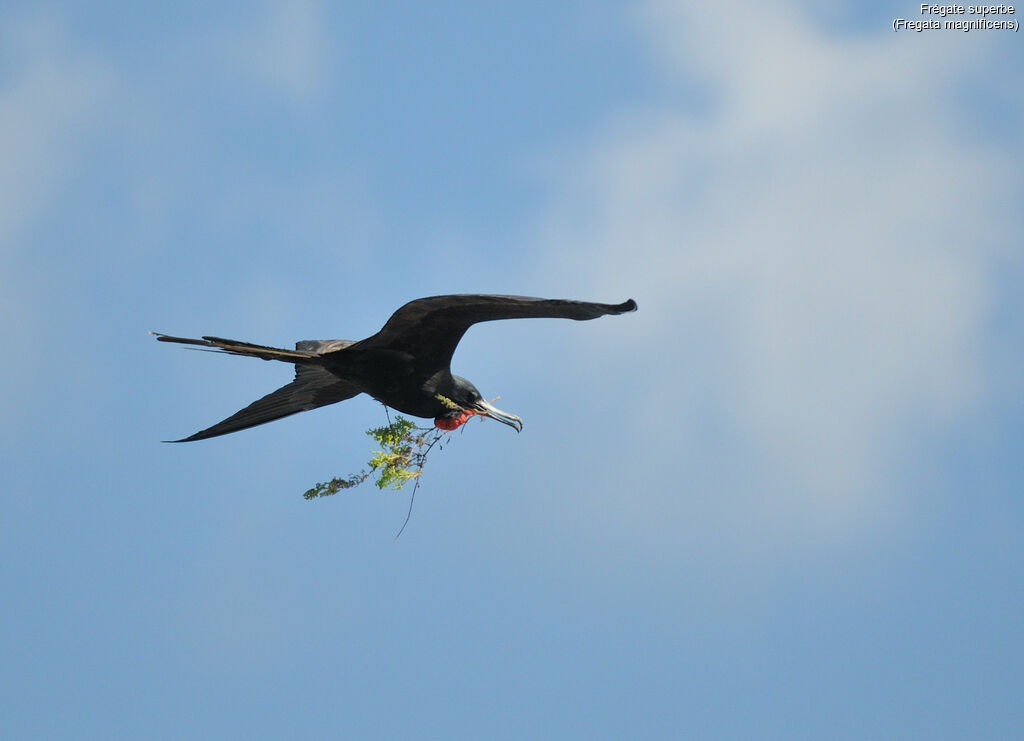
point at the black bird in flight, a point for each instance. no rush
(406, 365)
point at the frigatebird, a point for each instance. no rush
(405, 366)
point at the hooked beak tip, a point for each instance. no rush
(485, 409)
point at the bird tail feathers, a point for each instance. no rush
(236, 347)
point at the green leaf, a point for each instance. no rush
(404, 448)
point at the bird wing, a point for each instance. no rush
(313, 387)
(431, 328)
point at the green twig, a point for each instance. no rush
(403, 454)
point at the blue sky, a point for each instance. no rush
(782, 500)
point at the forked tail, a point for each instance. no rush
(235, 347)
(314, 386)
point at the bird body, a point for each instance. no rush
(406, 365)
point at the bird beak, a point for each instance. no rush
(487, 410)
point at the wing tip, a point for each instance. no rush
(191, 438)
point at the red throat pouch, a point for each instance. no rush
(451, 423)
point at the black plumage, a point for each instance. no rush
(406, 365)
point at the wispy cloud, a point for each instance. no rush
(812, 246)
(49, 99)
(286, 50)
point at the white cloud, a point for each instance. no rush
(51, 99)
(48, 101)
(287, 50)
(812, 252)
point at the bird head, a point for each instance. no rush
(468, 402)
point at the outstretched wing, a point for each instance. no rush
(313, 387)
(431, 328)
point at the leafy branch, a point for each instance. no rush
(404, 454)
(405, 447)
